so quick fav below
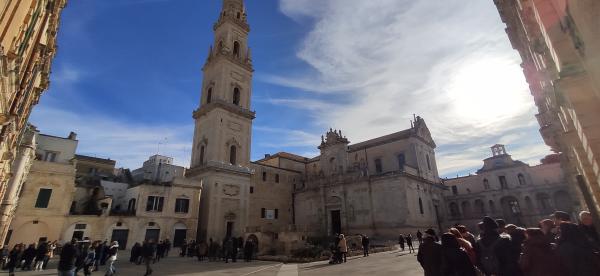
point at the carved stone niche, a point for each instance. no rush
(231, 190)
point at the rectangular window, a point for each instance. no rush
(264, 176)
(263, 212)
(270, 214)
(80, 226)
(251, 190)
(276, 178)
(155, 204)
(454, 190)
(503, 183)
(378, 166)
(182, 205)
(276, 213)
(43, 198)
(50, 156)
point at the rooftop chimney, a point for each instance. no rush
(72, 136)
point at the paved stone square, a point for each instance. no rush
(386, 263)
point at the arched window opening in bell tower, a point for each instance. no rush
(202, 155)
(236, 49)
(239, 15)
(232, 155)
(209, 95)
(236, 96)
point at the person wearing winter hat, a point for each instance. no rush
(492, 250)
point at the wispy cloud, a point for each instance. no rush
(448, 61)
(128, 143)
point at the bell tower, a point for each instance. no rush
(223, 128)
(224, 119)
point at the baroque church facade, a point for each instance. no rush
(378, 187)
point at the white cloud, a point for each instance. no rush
(448, 61)
(128, 143)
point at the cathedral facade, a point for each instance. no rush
(378, 187)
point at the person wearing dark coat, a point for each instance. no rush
(227, 249)
(234, 249)
(364, 240)
(430, 255)
(493, 251)
(409, 243)
(14, 258)
(28, 256)
(575, 253)
(539, 258)
(401, 242)
(41, 256)
(248, 250)
(419, 237)
(517, 236)
(136, 253)
(586, 225)
(148, 252)
(160, 251)
(455, 261)
(68, 256)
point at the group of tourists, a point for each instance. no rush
(339, 249)
(31, 257)
(231, 248)
(160, 251)
(557, 247)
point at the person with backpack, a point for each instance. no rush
(365, 244)
(575, 252)
(455, 261)
(492, 250)
(539, 258)
(430, 255)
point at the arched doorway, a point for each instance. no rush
(511, 210)
(179, 234)
(119, 232)
(254, 239)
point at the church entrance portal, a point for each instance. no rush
(336, 222)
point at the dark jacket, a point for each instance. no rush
(68, 255)
(540, 259)
(578, 260)
(14, 258)
(500, 250)
(456, 262)
(430, 257)
(591, 235)
(575, 252)
(148, 250)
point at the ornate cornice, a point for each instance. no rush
(206, 108)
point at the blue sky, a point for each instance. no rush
(128, 72)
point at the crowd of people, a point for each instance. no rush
(231, 248)
(557, 247)
(27, 257)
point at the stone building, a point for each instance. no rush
(559, 43)
(378, 187)
(509, 189)
(89, 166)
(158, 169)
(28, 31)
(54, 205)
